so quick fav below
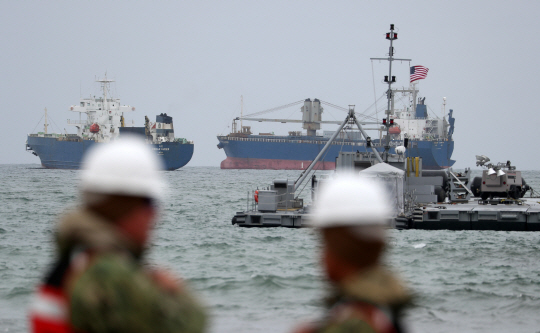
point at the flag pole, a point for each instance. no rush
(414, 97)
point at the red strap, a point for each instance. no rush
(49, 311)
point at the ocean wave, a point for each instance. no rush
(210, 245)
(19, 292)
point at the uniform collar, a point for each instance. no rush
(82, 228)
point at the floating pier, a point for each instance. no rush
(476, 214)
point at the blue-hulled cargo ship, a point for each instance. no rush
(105, 122)
(423, 136)
(428, 138)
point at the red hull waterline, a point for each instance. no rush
(262, 163)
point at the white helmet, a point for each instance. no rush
(348, 201)
(126, 167)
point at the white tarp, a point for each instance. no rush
(392, 179)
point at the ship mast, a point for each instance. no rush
(444, 133)
(444, 108)
(389, 79)
(105, 84)
(46, 124)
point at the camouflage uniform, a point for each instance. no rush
(108, 288)
(370, 301)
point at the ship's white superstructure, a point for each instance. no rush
(413, 121)
(105, 116)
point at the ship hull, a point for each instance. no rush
(63, 154)
(284, 153)
(276, 164)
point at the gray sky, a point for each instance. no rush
(195, 59)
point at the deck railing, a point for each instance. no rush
(412, 144)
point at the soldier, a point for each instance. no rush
(99, 282)
(351, 214)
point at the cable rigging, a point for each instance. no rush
(361, 116)
(274, 109)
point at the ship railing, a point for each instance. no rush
(183, 141)
(43, 135)
(319, 142)
(70, 138)
(232, 138)
(284, 201)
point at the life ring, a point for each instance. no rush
(256, 196)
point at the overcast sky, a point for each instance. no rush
(194, 59)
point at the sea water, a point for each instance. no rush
(266, 280)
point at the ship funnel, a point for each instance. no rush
(311, 116)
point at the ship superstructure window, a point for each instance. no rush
(82, 104)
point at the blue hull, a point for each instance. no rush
(56, 154)
(262, 152)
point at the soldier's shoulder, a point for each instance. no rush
(357, 317)
(114, 287)
(108, 268)
(106, 276)
(347, 325)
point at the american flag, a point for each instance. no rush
(418, 73)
